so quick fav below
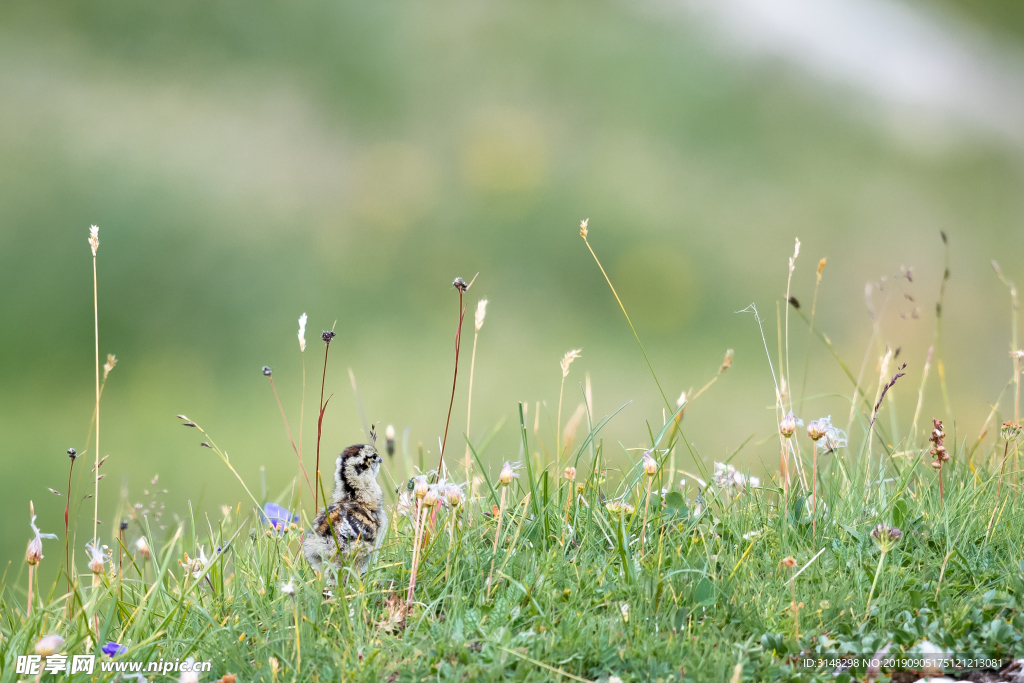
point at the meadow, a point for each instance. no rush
(873, 535)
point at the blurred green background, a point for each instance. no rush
(249, 161)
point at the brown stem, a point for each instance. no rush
(814, 492)
(289, 429)
(420, 517)
(647, 503)
(455, 378)
(67, 548)
(320, 423)
(31, 572)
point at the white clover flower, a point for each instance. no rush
(302, 332)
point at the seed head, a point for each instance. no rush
(1010, 431)
(789, 563)
(567, 360)
(72, 453)
(94, 239)
(815, 430)
(570, 474)
(109, 365)
(583, 227)
(327, 336)
(460, 285)
(49, 645)
(650, 464)
(124, 525)
(389, 439)
(267, 371)
(420, 486)
(726, 361)
(481, 312)
(508, 473)
(302, 332)
(821, 266)
(34, 552)
(938, 448)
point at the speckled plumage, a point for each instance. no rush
(355, 521)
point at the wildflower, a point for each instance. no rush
(196, 565)
(420, 487)
(886, 537)
(1010, 431)
(97, 556)
(34, 553)
(431, 497)
(72, 453)
(327, 336)
(567, 360)
(267, 371)
(389, 439)
(302, 332)
(109, 365)
(94, 239)
(460, 285)
(650, 464)
(454, 496)
(619, 507)
(143, 547)
(789, 424)
(789, 562)
(481, 311)
(49, 645)
(508, 472)
(583, 227)
(277, 516)
(274, 665)
(570, 473)
(112, 649)
(288, 588)
(727, 478)
(938, 449)
(822, 428)
(405, 504)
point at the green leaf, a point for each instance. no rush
(675, 501)
(704, 593)
(900, 513)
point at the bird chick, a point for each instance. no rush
(352, 526)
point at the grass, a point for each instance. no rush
(736, 580)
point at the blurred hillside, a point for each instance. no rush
(247, 162)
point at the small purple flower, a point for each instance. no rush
(112, 649)
(277, 516)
